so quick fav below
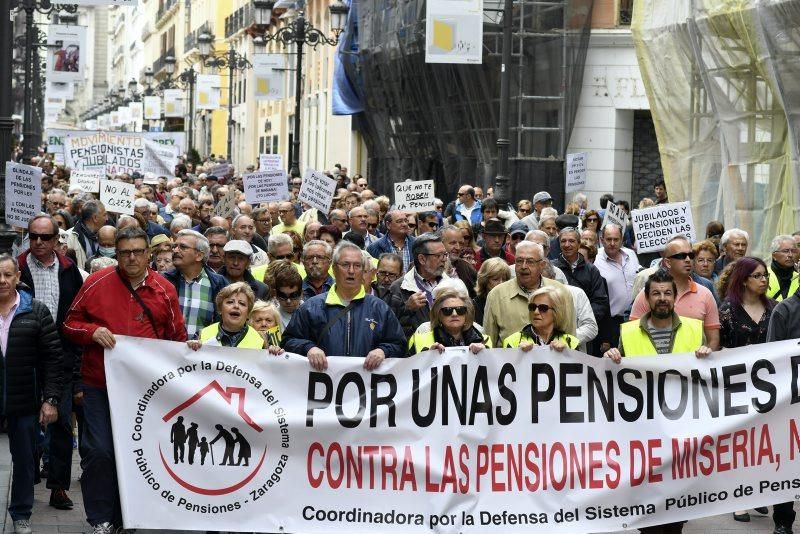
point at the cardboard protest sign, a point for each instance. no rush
(117, 196)
(654, 226)
(616, 215)
(23, 193)
(576, 172)
(86, 181)
(226, 204)
(270, 162)
(317, 190)
(267, 186)
(414, 196)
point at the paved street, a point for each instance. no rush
(49, 520)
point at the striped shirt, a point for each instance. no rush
(45, 283)
(662, 338)
(194, 297)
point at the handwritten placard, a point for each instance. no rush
(267, 186)
(414, 196)
(23, 193)
(317, 190)
(86, 181)
(117, 197)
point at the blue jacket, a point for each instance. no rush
(475, 217)
(384, 244)
(154, 229)
(369, 325)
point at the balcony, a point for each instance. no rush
(160, 63)
(240, 19)
(190, 41)
(165, 11)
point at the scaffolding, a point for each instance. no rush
(434, 121)
(723, 82)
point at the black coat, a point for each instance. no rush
(409, 320)
(69, 283)
(587, 277)
(32, 365)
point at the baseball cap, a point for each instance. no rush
(158, 239)
(494, 226)
(518, 227)
(542, 196)
(240, 246)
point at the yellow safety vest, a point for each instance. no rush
(422, 341)
(774, 289)
(513, 341)
(688, 337)
(251, 340)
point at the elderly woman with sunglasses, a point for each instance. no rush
(549, 316)
(451, 324)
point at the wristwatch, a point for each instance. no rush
(52, 401)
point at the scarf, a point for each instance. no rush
(784, 276)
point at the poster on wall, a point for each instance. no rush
(66, 44)
(173, 103)
(208, 91)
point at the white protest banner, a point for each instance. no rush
(86, 181)
(160, 159)
(55, 136)
(454, 31)
(152, 107)
(219, 170)
(576, 172)
(117, 196)
(615, 214)
(270, 162)
(503, 442)
(654, 226)
(23, 193)
(414, 196)
(266, 186)
(173, 103)
(269, 73)
(226, 204)
(317, 190)
(118, 152)
(66, 53)
(208, 91)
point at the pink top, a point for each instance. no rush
(696, 302)
(5, 325)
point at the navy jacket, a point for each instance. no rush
(217, 280)
(369, 325)
(384, 244)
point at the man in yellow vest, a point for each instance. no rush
(783, 278)
(660, 331)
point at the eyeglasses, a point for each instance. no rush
(759, 276)
(791, 251)
(216, 245)
(289, 296)
(454, 310)
(350, 266)
(387, 274)
(412, 225)
(517, 237)
(433, 225)
(592, 219)
(134, 252)
(440, 256)
(40, 237)
(682, 256)
(296, 184)
(543, 308)
(182, 246)
(522, 262)
(523, 210)
(320, 259)
(372, 226)
(462, 194)
(289, 256)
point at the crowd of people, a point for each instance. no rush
(364, 280)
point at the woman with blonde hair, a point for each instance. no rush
(452, 324)
(234, 303)
(492, 273)
(548, 309)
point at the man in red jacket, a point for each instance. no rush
(130, 300)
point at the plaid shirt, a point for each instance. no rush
(408, 261)
(194, 297)
(45, 283)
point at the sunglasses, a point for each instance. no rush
(372, 226)
(412, 226)
(592, 219)
(41, 237)
(289, 296)
(543, 308)
(289, 256)
(454, 310)
(433, 225)
(682, 256)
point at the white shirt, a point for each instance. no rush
(619, 277)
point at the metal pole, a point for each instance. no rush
(191, 109)
(28, 150)
(231, 61)
(7, 233)
(299, 38)
(502, 184)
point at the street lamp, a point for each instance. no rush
(187, 79)
(300, 32)
(502, 181)
(169, 65)
(231, 60)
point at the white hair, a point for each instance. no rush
(733, 232)
(522, 245)
(141, 203)
(548, 212)
(775, 246)
(180, 222)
